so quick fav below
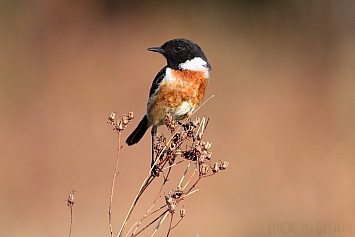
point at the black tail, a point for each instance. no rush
(139, 132)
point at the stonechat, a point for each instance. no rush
(177, 89)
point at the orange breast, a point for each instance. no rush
(187, 90)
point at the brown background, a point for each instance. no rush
(283, 112)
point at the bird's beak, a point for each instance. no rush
(156, 49)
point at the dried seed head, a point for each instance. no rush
(208, 145)
(172, 198)
(177, 193)
(201, 158)
(168, 118)
(120, 126)
(170, 123)
(197, 121)
(204, 169)
(125, 120)
(223, 165)
(204, 154)
(198, 148)
(183, 136)
(182, 212)
(176, 137)
(187, 154)
(168, 199)
(70, 199)
(172, 208)
(130, 115)
(215, 168)
(119, 123)
(199, 136)
(112, 117)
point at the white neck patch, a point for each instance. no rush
(194, 64)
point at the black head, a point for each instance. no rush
(178, 51)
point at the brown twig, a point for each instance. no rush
(146, 215)
(119, 123)
(194, 185)
(161, 215)
(113, 183)
(147, 182)
(171, 221)
(177, 222)
(70, 203)
(147, 212)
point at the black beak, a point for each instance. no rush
(156, 49)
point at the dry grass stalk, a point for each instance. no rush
(70, 203)
(119, 123)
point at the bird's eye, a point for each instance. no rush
(177, 48)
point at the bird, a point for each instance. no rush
(177, 89)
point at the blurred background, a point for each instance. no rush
(283, 114)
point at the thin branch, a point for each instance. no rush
(177, 223)
(71, 219)
(146, 183)
(202, 104)
(188, 181)
(183, 176)
(159, 223)
(144, 217)
(113, 182)
(119, 123)
(151, 222)
(147, 212)
(70, 203)
(171, 221)
(175, 164)
(194, 185)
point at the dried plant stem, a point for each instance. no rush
(144, 217)
(202, 104)
(188, 181)
(177, 223)
(183, 176)
(148, 180)
(175, 164)
(194, 185)
(188, 194)
(70, 203)
(171, 221)
(113, 183)
(71, 219)
(147, 213)
(158, 195)
(164, 213)
(202, 127)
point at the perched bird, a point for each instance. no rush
(177, 89)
